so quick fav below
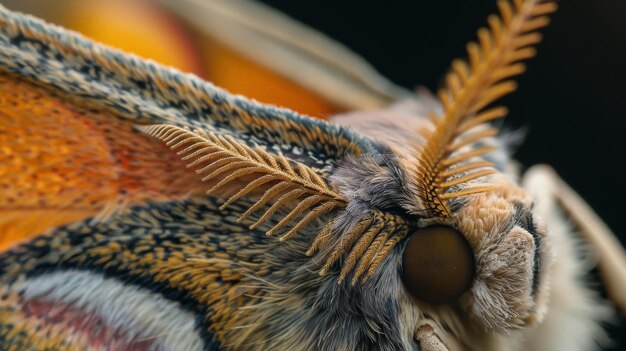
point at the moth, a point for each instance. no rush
(145, 209)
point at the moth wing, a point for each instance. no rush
(73, 146)
(243, 46)
(550, 192)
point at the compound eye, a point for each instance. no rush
(438, 265)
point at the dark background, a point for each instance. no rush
(571, 100)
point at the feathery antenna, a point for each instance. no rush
(471, 86)
(224, 159)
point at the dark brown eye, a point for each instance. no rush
(438, 265)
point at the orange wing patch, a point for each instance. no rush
(60, 162)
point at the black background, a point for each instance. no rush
(571, 101)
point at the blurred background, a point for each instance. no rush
(571, 102)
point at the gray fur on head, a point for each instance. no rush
(372, 180)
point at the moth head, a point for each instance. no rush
(481, 246)
(485, 256)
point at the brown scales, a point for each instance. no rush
(471, 86)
